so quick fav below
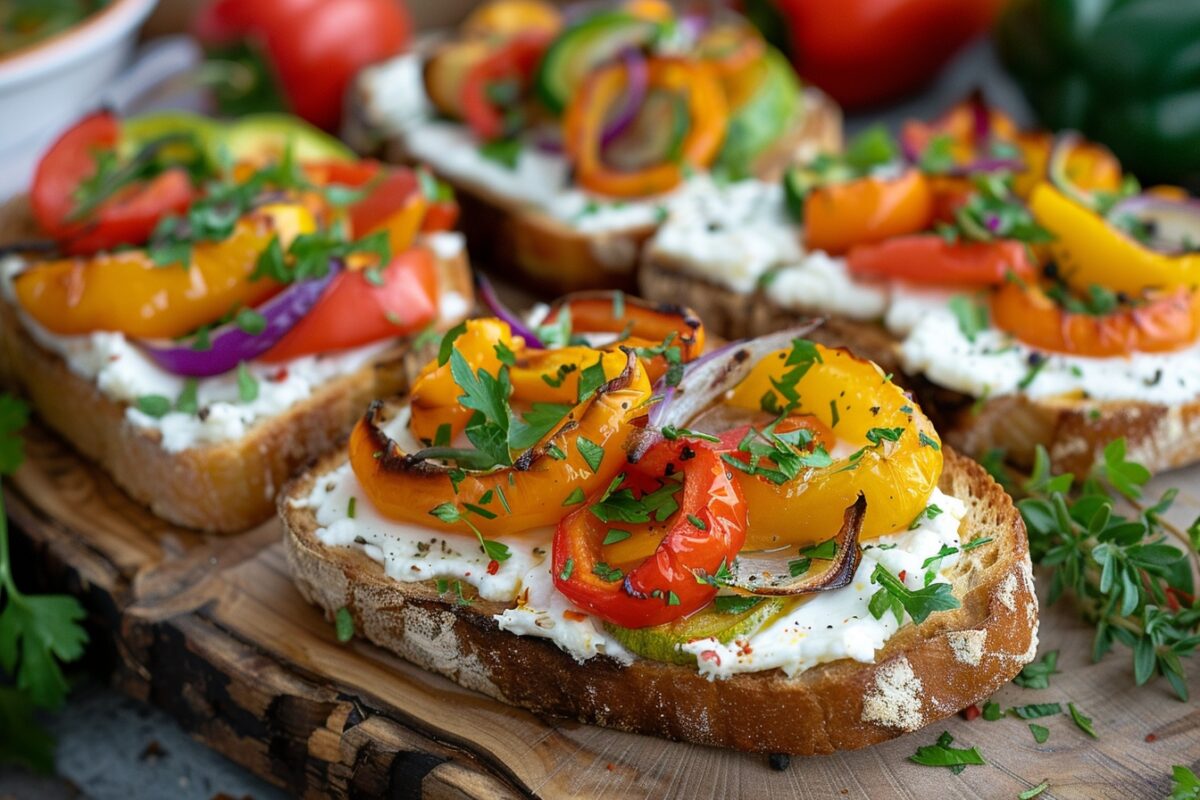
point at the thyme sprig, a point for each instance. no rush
(1121, 570)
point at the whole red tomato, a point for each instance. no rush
(864, 52)
(315, 47)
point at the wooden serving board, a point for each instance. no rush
(211, 629)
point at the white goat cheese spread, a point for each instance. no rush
(812, 630)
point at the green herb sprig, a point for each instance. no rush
(37, 632)
(1122, 571)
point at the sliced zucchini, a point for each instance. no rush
(582, 47)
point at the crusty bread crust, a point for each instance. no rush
(1074, 432)
(225, 487)
(924, 673)
(550, 256)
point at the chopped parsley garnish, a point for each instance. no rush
(575, 497)
(1084, 723)
(505, 152)
(1035, 710)
(1036, 675)
(991, 711)
(943, 755)
(894, 596)
(154, 405)
(568, 568)
(931, 512)
(778, 457)
(343, 625)
(246, 383)
(671, 433)
(606, 573)
(735, 604)
(1040, 733)
(188, 402)
(943, 552)
(972, 317)
(592, 453)
(697, 523)
(824, 551)
(615, 535)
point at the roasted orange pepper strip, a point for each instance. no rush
(1167, 321)
(126, 292)
(644, 324)
(404, 488)
(841, 215)
(589, 108)
(895, 476)
(1088, 250)
(537, 376)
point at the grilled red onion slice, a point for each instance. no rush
(637, 82)
(706, 380)
(769, 572)
(487, 293)
(1172, 226)
(231, 344)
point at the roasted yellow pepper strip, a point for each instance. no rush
(1088, 250)
(126, 292)
(896, 475)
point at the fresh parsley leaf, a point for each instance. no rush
(247, 384)
(568, 568)
(928, 441)
(343, 623)
(535, 424)
(505, 354)
(250, 321)
(931, 512)
(1083, 722)
(1035, 710)
(606, 573)
(972, 317)
(1036, 675)
(153, 405)
(447, 346)
(877, 436)
(943, 755)
(1040, 733)
(735, 604)
(188, 402)
(14, 415)
(1184, 784)
(943, 552)
(592, 453)
(919, 603)
(824, 551)
(1034, 791)
(591, 378)
(505, 152)
(615, 535)
(575, 497)
(991, 711)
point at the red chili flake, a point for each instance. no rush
(711, 655)
(744, 648)
(114, 357)
(280, 375)
(609, 767)
(493, 567)
(970, 712)
(466, 574)
(903, 572)
(1151, 737)
(574, 616)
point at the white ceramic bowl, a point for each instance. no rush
(45, 86)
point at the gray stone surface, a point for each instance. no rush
(111, 747)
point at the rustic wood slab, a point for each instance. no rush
(211, 629)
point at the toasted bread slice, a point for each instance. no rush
(547, 253)
(224, 487)
(1073, 431)
(924, 673)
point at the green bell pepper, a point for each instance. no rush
(1122, 72)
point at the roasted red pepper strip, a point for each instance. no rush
(928, 258)
(707, 530)
(505, 72)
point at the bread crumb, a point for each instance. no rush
(895, 701)
(968, 645)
